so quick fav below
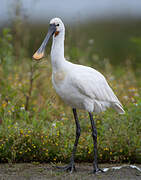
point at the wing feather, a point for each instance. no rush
(93, 84)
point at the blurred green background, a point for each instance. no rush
(34, 122)
(108, 29)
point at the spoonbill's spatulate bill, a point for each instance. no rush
(79, 86)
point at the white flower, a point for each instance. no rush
(125, 97)
(22, 108)
(54, 124)
(91, 41)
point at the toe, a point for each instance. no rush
(98, 170)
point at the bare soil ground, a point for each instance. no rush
(35, 171)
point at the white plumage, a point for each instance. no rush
(79, 86)
(85, 88)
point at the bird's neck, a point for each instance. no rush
(57, 52)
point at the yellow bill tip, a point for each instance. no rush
(38, 56)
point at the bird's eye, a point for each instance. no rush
(57, 25)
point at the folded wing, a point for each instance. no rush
(93, 85)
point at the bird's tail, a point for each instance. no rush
(118, 107)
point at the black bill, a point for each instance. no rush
(39, 54)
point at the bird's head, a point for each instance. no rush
(56, 28)
(59, 26)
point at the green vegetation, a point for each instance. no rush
(36, 126)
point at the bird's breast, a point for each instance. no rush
(58, 77)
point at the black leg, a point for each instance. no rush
(71, 166)
(78, 131)
(94, 135)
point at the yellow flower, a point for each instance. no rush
(121, 150)
(106, 149)
(4, 105)
(21, 131)
(57, 133)
(12, 109)
(2, 145)
(111, 153)
(20, 152)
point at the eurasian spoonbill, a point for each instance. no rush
(79, 86)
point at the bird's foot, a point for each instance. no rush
(97, 170)
(70, 167)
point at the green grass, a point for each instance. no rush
(36, 126)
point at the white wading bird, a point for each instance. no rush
(79, 86)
